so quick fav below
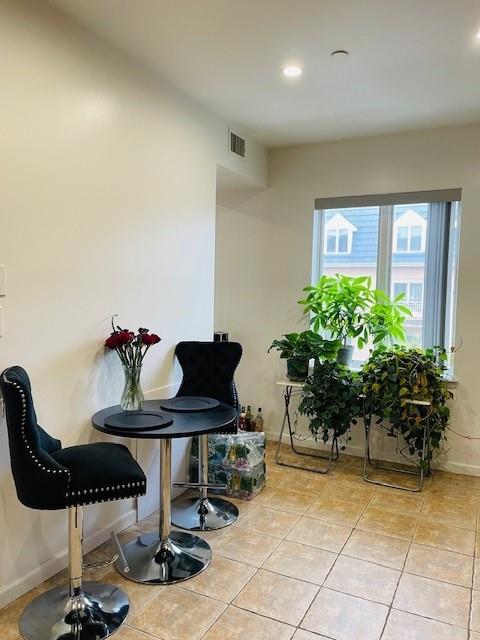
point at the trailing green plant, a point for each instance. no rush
(330, 400)
(348, 307)
(391, 379)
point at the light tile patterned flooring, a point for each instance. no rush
(317, 557)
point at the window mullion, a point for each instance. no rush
(384, 254)
(319, 246)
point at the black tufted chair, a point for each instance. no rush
(49, 477)
(208, 369)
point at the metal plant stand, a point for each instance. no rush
(330, 458)
(368, 463)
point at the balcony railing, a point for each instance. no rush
(415, 307)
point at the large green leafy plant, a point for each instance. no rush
(330, 400)
(391, 379)
(348, 307)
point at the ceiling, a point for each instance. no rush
(412, 64)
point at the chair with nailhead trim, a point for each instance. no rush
(49, 477)
(208, 369)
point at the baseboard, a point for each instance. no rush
(358, 450)
(45, 571)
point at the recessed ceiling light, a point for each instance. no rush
(478, 35)
(340, 53)
(292, 71)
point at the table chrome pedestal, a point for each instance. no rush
(201, 512)
(170, 556)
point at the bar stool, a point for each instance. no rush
(49, 477)
(208, 369)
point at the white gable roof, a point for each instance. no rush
(340, 222)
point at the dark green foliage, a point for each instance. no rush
(390, 379)
(331, 400)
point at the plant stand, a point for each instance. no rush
(289, 387)
(369, 464)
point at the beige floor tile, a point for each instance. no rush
(244, 506)
(395, 525)
(245, 546)
(301, 561)
(474, 635)
(177, 614)
(431, 599)
(138, 594)
(359, 493)
(305, 482)
(475, 613)
(363, 579)
(301, 634)
(476, 574)
(456, 482)
(237, 624)
(450, 512)
(406, 626)
(439, 564)
(343, 617)
(290, 501)
(273, 476)
(10, 614)
(270, 521)
(387, 500)
(223, 579)
(278, 597)
(372, 547)
(129, 633)
(445, 536)
(337, 511)
(320, 534)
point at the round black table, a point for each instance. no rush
(170, 556)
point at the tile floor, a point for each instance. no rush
(317, 557)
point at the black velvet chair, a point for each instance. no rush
(208, 369)
(49, 477)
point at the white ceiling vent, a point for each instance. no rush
(236, 144)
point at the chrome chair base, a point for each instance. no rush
(97, 612)
(203, 514)
(179, 557)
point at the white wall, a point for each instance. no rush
(264, 250)
(107, 183)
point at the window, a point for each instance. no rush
(409, 248)
(410, 232)
(338, 234)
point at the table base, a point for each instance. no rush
(203, 514)
(179, 557)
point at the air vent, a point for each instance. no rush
(237, 145)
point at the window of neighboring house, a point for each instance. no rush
(410, 231)
(338, 234)
(409, 248)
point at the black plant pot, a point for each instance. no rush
(297, 370)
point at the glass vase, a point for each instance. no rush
(132, 396)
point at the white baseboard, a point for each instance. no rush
(48, 569)
(358, 450)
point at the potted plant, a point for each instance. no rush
(391, 378)
(330, 400)
(349, 309)
(299, 348)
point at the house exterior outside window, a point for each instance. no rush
(338, 235)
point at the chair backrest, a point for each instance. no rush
(32, 467)
(208, 370)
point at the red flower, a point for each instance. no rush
(150, 338)
(119, 338)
